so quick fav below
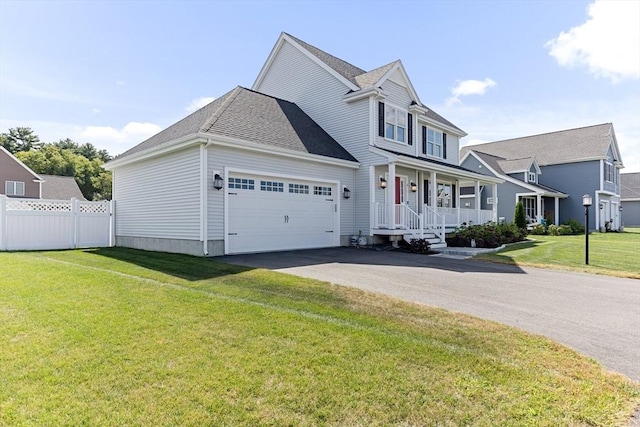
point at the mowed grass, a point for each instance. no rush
(124, 337)
(615, 254)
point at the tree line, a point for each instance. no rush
(64, 157)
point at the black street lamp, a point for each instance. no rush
(586, 202)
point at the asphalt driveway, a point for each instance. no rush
(598, 316)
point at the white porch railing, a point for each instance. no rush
(409, 220)
(434, 221)
(381, 215)
(474, 216)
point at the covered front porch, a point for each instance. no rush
(418, 199)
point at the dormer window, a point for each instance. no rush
(395, 124)
(532, 177)
(608, 172)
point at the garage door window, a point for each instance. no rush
(241, 183)
(321, 191)
(274, 186)
(299, 188)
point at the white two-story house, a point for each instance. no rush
(317, 151)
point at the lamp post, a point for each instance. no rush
(586, 202)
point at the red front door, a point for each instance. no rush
(398, 187)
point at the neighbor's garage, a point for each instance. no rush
(268, 213)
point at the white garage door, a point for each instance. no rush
(270, 213)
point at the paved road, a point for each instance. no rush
(598, 316)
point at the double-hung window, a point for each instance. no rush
(532, 177)
(608, 172)
(395, 124)
(433, 142)
(14, 188)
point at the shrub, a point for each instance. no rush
(519, 217)
(538, 229)
(575, 226)
(490, 235)
(420, 246)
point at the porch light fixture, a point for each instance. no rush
(346, 193)
(601, 205)
(620, 208)
(586, 202)
(414, 187)
(383, 182)
(218, 182)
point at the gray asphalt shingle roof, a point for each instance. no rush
(564, 146)
(60, 188)
(516, 165)
(494, 162)
(630, 185)
(255, 117)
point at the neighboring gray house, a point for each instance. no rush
(630, 199)
(551, 172)
(316, 152)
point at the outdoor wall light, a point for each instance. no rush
(218, 182)
(346, 193)
(600, 205)
(383, 182)
(414, 187)
(620, 208)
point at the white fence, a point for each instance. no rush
(35, 224)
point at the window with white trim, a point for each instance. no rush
(274, 186)
(529, 204)
(395, 124)
(14, 188)
(241, 183)
(434, 142)
(532, 177)
(608, 172)
(299, 188)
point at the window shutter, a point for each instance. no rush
(444, 145)
(453, 196)
(410, 127)
(424, 140)
(381, 119)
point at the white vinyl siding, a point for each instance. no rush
(160, 197)
(396, 104)
(291, 75)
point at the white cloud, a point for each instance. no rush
(95, 111)
(198, 103)
(120, 83)
(469, 87)
(132, 133)
(608, 43)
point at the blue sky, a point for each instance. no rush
(113, 73)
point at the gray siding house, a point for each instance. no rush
(630, 199)
(316, 152)
(551, 172)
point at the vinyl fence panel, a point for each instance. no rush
(35, 224)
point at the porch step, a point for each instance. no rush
(434, 242)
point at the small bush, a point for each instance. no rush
(519, 218)
(538, 229)
(490, 235)
(420, 246)
(575, 226)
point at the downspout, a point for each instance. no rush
(204, 191)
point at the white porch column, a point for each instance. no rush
(457, 197)
(478, 202)
(539, 215)
(391, 195)
(373, 182)
(494, 193)
(556, 215)
(434, 188)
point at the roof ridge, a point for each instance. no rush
(218, 112)
(547, 133)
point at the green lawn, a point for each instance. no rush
(616, 254)
(124, 337)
